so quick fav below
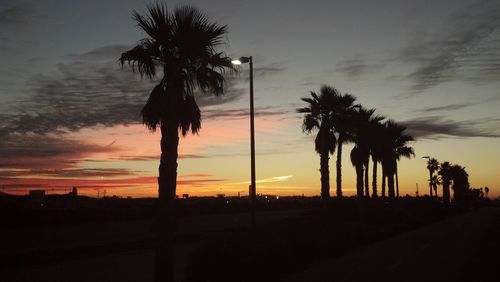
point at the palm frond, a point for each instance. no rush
(143, 56)
(156, 23)
(190, 116)
(325, 141)
(154, 110)
(310, 123)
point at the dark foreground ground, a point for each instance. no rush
(463, 247)
(108, 251)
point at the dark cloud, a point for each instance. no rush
(157, 157)
(69, 173)
(452, 107)
(21, 15)
(466, 49)
(90, 90)
(260, 72)
(355, 68)
(93, 90)
(32, 151)
(437, 127)
(243, 113)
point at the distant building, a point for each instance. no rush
(37, 196)
(74, 192)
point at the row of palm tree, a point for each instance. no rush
(448, 175)
(339, 120)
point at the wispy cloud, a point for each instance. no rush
(466, 49)
(243, 113)
(92, 90)
(21, 15)
(437, 127)
(69, 173)
(451, 107)
(356, 67)
(261, 71)
(47, 152)
(266, 180)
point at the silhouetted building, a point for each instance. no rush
(37, 196)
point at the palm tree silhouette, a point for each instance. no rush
(364, 121)
(318, 116)
(376, 151)
(432, 166)
(394, 147)
(460, 179)
(357, 160)
(435, 182)
(183, 45)
(402, 150)
(445, 173)
(343, 123)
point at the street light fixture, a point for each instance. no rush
(252, 194)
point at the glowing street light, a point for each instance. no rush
(253, 189)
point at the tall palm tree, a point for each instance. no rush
(342, 110)
(445, 173)
(395, 146)
(432, 166)
(435, 182)
(183, 45)
(364, 121)
(402, 150)
(318, 116)
(357, 160)
(376, 151)
(460, 179)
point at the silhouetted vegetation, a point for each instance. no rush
(318, 116)
(432, 166)
(338, 120)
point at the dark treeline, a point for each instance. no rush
(454, 176)
(339, 120)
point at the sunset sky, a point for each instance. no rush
(70, 115)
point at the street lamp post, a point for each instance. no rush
(252, 194)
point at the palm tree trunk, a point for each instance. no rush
(339, 167)
(390, 185)
(367, 187)
(430, 182)
(397, 180)
(374, 179)
(383, 181)
(446, 193)
(325, 176)
(165, 217)
(359, 181)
